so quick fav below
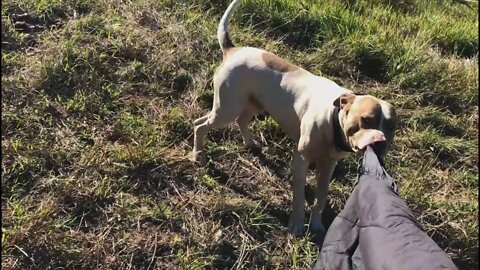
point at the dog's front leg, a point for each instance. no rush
(324, 171)
(299, 174)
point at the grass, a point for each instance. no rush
(98, 100)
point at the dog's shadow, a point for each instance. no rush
(282, 171)
(329, 213)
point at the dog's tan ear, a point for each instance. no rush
(344, 101)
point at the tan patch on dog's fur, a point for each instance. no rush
(276, 63)
(368, 106)
(344, 101)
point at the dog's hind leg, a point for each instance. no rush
(200, 120)
(227, 106)
(199, 134)
(243, 120)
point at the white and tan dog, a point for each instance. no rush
(326, 120)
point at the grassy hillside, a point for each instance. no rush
(98, 100)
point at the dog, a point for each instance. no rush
(325, 120)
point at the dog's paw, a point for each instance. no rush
(253, 148)
(198, 157)
(317, 228)
(249, 143)
(296, 226)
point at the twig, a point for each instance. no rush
(238, 263)
(24, 253)
(154, 251)
(130, 263)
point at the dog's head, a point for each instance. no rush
(366, 120)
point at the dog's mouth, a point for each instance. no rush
(360, 140)
(380, 148)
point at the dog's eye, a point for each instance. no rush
(366, 121)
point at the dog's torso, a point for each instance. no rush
(299, 101)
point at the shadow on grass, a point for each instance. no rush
(226, 255)
(157, 178)
(279, 212)
(46, 256)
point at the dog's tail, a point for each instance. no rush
(222, 32)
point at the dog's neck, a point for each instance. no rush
(338, 135)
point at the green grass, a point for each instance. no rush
(98, 103)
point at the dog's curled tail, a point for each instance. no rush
(222, 32)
